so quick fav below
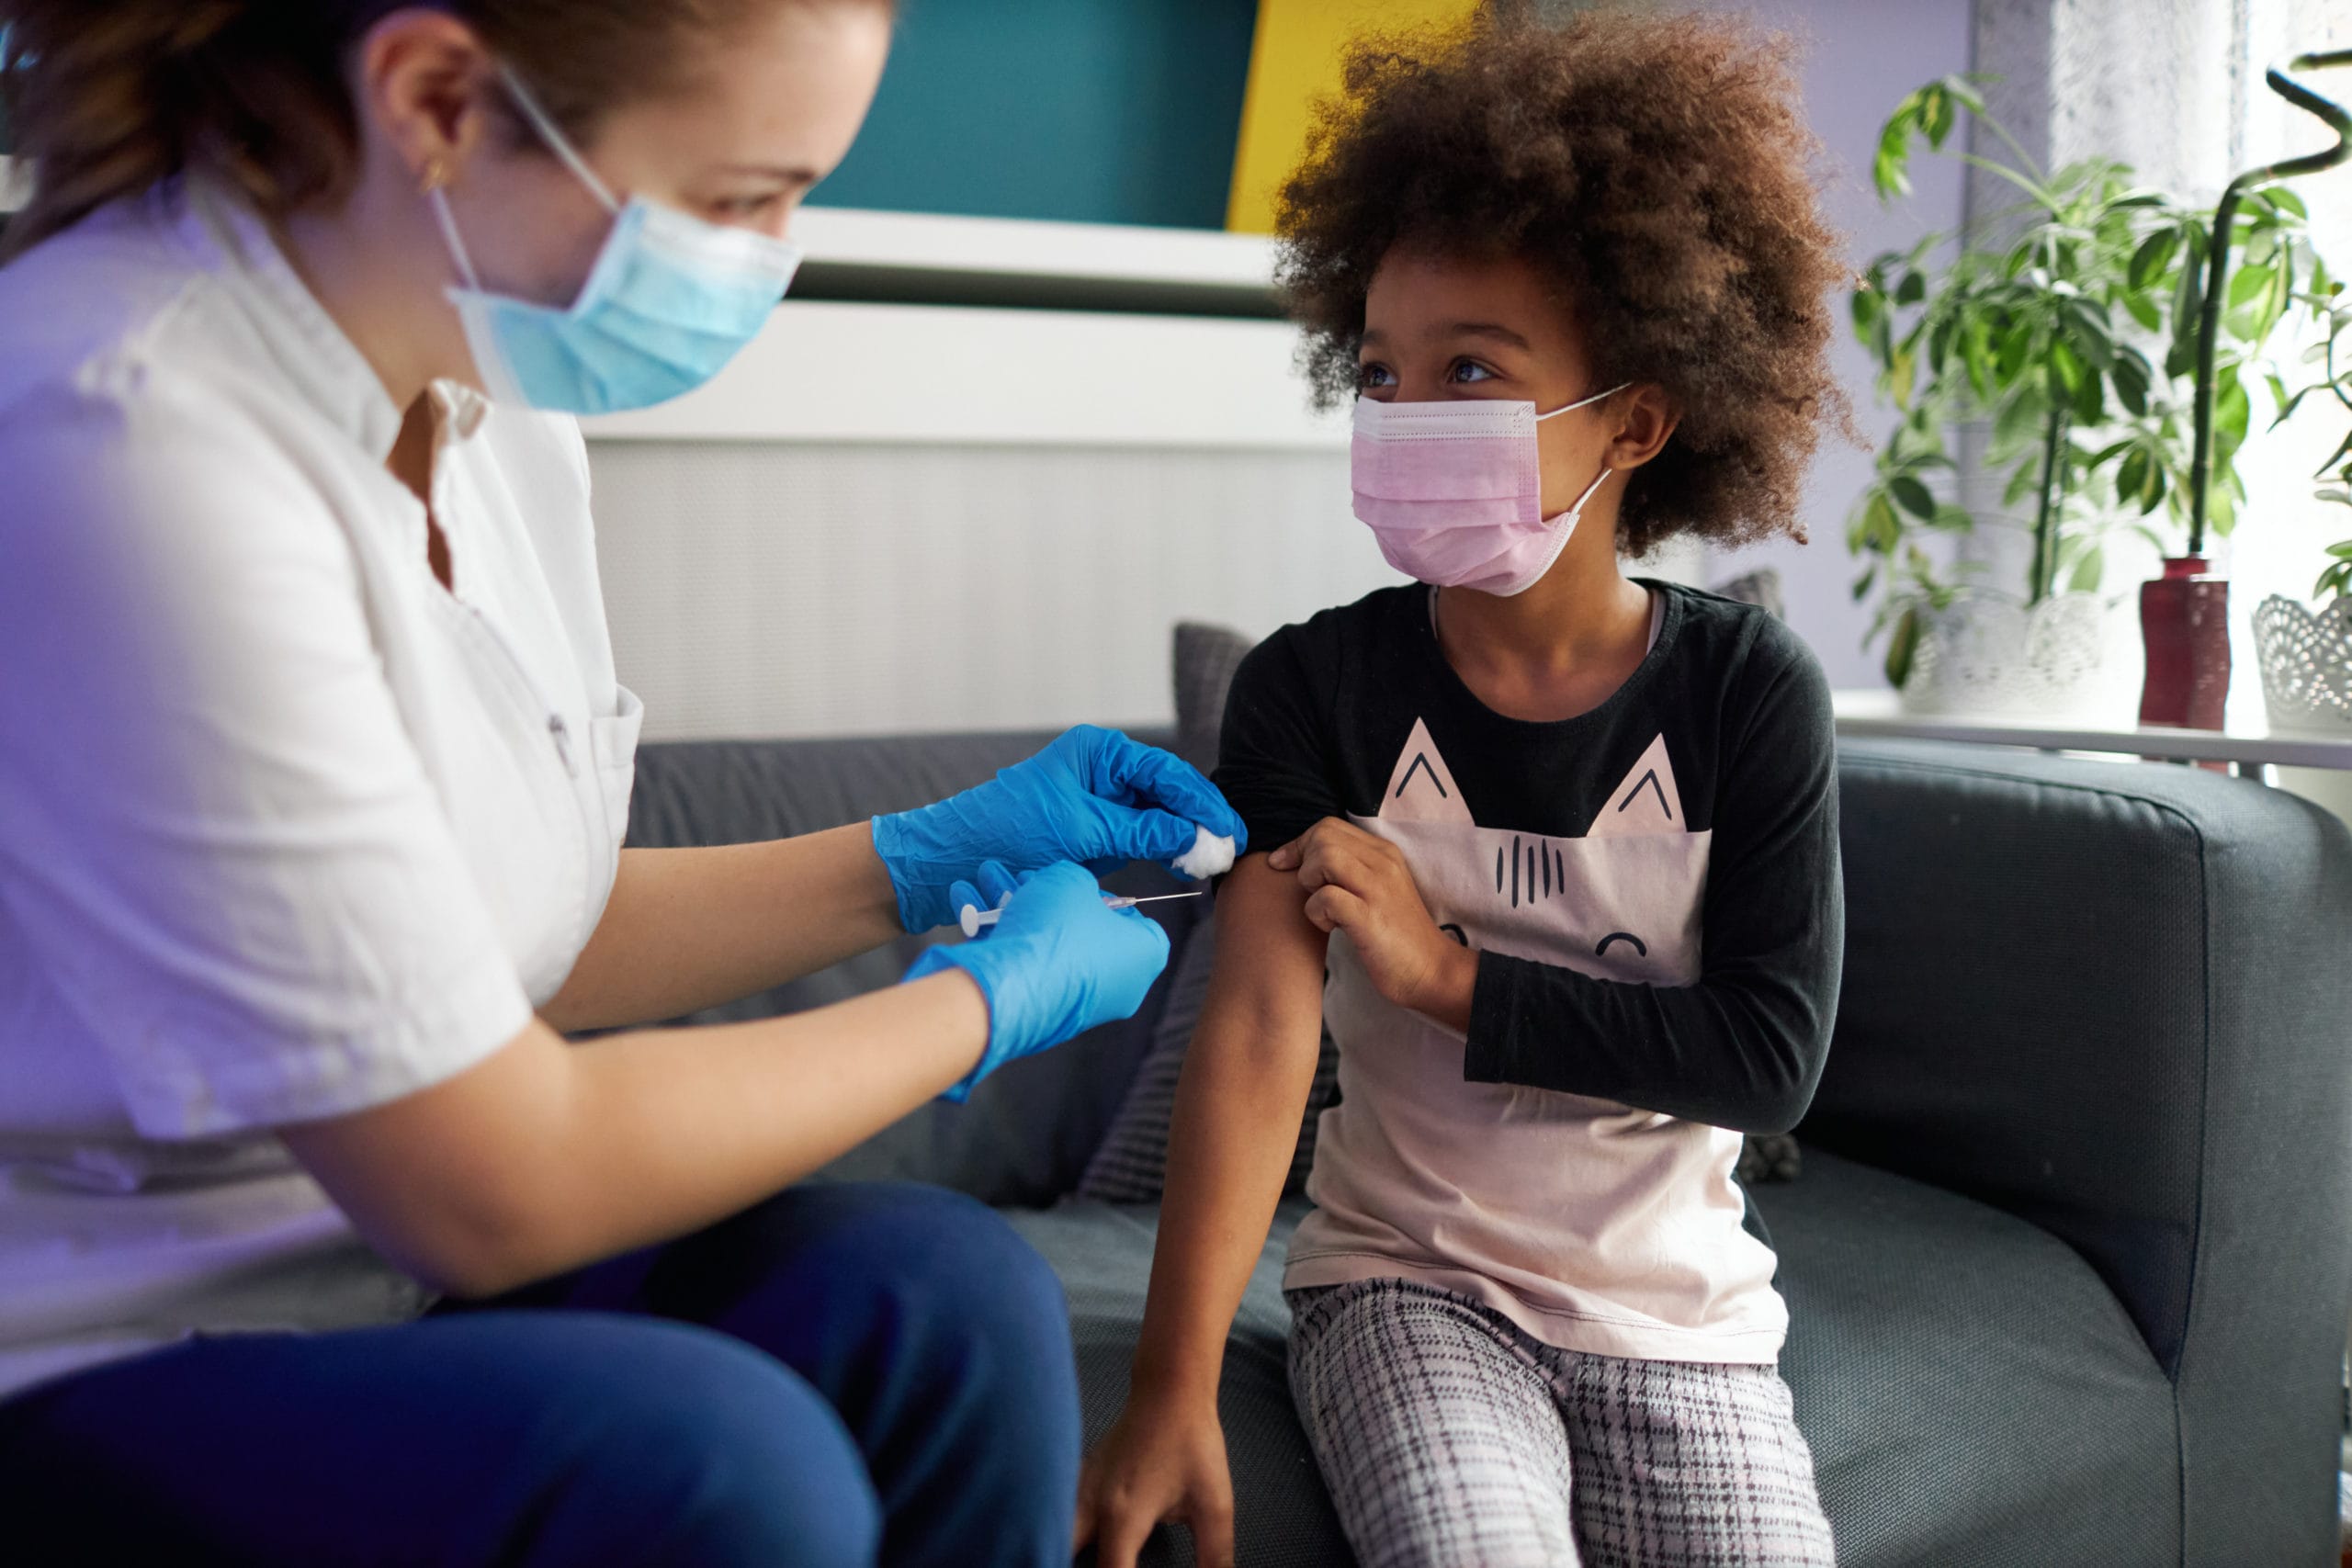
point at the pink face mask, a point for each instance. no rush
(1453, 491)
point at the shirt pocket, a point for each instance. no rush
(612, 744)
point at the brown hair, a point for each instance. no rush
(1655, 170)
(108, 96)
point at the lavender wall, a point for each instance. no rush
(1862, 55)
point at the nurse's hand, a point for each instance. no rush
(1056, 964)
(1093, 796)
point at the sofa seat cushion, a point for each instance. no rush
(1973, 1391)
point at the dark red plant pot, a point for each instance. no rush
(2185, 621)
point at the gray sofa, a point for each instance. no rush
(2067, 1258)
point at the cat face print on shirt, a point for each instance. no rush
(1622, 902)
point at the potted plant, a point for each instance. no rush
(2043, 329)
(2306, 656)
(2184, 615)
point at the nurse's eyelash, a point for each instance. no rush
(748, 208)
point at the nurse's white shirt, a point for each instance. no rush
(286, 828)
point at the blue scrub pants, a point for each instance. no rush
(844, 1374)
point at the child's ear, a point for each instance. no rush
(1645, 420)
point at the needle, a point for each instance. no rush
(974, 917)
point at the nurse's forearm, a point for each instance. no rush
(546, 1156)
(689, 928)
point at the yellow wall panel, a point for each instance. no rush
(1294, 59)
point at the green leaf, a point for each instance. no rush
(1902, 646)
(1913, 497)
(1889, 168)
(2232, 412)
(2132, 375)
(2155, 254)
(1880, 528)
(1868, 304)
(2154, 496)
(2088, 570)
(2188, 296)
(2091, 398)
(2286, 200)
(1864, 584)
(1911, 291)
(2131, 477)
(2249, 282)
(2066, 365)
(2143, 310)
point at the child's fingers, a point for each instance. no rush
(1120, 1539)
(1212, 1522)
(1333, 907)
(1083, 1530)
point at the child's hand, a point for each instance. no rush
(1359, 884)
(1161, 1459)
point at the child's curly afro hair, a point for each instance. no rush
(1656, 169)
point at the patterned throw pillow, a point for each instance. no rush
(1132, 1163)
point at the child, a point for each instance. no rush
(1564, 842)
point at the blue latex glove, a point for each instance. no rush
(1058, 963)
(1093, 796)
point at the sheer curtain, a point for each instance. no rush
(2175, 88)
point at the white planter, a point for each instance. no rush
(2306, 661)
(1990, 656)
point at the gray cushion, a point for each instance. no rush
(1205, 659)
(1974, 1394)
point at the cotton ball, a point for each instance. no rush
(1211, 855)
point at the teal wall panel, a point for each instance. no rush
(1108, 111)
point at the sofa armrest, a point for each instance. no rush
(2113, 1001)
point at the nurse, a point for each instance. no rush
(313, 774)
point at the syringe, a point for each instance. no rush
(974, 917)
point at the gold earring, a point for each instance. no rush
(436, 174)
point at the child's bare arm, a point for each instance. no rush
(1246, 1078)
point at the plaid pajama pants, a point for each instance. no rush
(1451, 1438)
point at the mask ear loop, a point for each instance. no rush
(558, 143)
(1582, 402)
(1578, 510)
(436, 177)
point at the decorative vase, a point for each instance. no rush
(2306, 663)
(1984, 655)
(2185, 621)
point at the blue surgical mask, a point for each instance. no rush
(671, 300)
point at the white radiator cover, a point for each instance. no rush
(769, 588)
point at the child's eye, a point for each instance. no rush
(1466, 370)
(1374, 375)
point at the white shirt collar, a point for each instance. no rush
(313, 352)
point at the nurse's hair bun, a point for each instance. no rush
(110, 97)
(1655, 169)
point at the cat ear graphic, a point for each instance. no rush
(1645, 802)
(1421, 786)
